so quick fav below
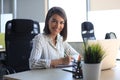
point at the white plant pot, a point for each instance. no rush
(91, 71)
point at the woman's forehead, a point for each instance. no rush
(56, 16)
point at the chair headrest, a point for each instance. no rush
(22, 25)
(87, 26)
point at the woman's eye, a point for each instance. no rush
(62, 22)
(54, 21)
(57, 22)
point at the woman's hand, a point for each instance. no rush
(64, 61)
(79, 58)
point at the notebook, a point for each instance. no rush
(111, 47)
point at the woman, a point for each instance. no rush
(49, 48)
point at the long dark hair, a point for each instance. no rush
(60, 12)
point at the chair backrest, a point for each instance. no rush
(18, 41)
(87, 31)
(110, 35)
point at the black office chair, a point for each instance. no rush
(110, 35)
(87, 31)
(18, 41)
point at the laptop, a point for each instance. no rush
(111, 47)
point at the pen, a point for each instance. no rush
(68, 70)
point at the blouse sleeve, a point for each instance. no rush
(37, 59)
(69, 50)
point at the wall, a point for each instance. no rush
(7, 4)
(104, 4)
(77, 46)
(105, 15)
(32, 9)
(29, 9)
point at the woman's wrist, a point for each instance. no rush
(61, 61)
(56, 62)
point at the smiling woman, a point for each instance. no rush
(50, 47)
(75, 14)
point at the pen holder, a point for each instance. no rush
(77, 71)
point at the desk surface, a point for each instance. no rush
(46, 74)
(59, 74)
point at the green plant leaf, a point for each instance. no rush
(93, 53)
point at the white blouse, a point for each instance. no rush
(44, 51)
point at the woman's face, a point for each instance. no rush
(56, 24)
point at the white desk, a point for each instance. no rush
(46, 74)
(59, 74)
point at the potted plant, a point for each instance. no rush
(93, 55)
